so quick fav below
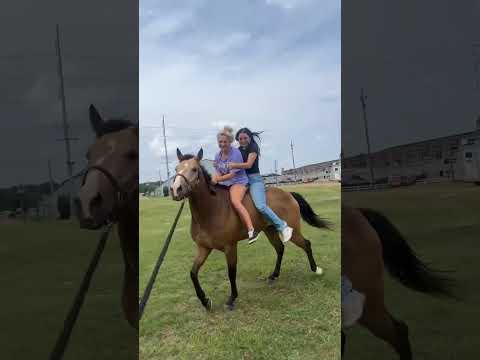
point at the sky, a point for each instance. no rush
(100, 58)
(414, 60)
(270, 65)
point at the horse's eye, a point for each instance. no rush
(195, 169)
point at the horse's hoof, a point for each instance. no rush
(271, 280)
(319, 271)
(208, 305)
(230, 307)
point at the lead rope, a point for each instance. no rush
(72, 316)
(151, 281)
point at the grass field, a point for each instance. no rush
(42, 266)
(296, 318)
(442, 223)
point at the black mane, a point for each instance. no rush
(114, 125)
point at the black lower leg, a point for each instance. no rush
(198, 289)
(403, 345)
(232, 275)
(308, 251)
(343, 343)
(276, 272)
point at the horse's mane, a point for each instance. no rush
(116, 124)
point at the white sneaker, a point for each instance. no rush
(286, 234)
(352, 304)
(252, 236)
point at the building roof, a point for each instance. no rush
(416, 143)
(312, 166)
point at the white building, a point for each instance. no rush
(454, 157)
(324, 171)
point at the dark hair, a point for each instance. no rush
(251, 134)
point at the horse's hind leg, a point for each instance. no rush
(231, 254)
(272, 235)
(300, 241)
(383, 325)
(202, 254)
(343, 343)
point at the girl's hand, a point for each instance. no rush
(230, 165)
(214, 180)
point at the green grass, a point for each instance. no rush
(441, 222)
(296, 318)
(42, 266)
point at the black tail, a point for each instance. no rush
(401, 261)
(309, 215)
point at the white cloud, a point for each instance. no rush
(165, 24)
(226, 74)
(232, 41)
(288, 4)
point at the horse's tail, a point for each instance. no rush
(309, 215)
(401, 261)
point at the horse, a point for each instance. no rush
(109, 193)
(215, 224)
(371, 243)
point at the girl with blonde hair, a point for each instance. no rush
(235, 179)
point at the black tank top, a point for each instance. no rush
(251, 148)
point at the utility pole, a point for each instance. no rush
(293, 160)
(66, 134)
(476, 64)
(50, 177)
(51, 204)
(363, 99)
(276, 173)
(166, 153)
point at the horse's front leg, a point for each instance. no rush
(202, 254)
(231, 254)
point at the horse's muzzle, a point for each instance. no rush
(85, 222)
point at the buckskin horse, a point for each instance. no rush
(109, 193)
(216, 225)
(370, 243)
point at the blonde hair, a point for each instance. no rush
(228, 132)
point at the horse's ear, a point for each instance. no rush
(200, 154)
(96, 121)
(179, 155)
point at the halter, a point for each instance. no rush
(120, 194)
(190, 188)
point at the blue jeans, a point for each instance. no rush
(257, 192)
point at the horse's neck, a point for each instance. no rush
(128, 232)
(201, 202)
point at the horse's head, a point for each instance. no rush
(112, 170)
(188, 175)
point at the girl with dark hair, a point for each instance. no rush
(235, 179)
(250, 154)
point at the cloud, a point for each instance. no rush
(288, 4)
(223, 45)
(243, 65)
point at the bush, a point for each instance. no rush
(63, 207)
(165, 191)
